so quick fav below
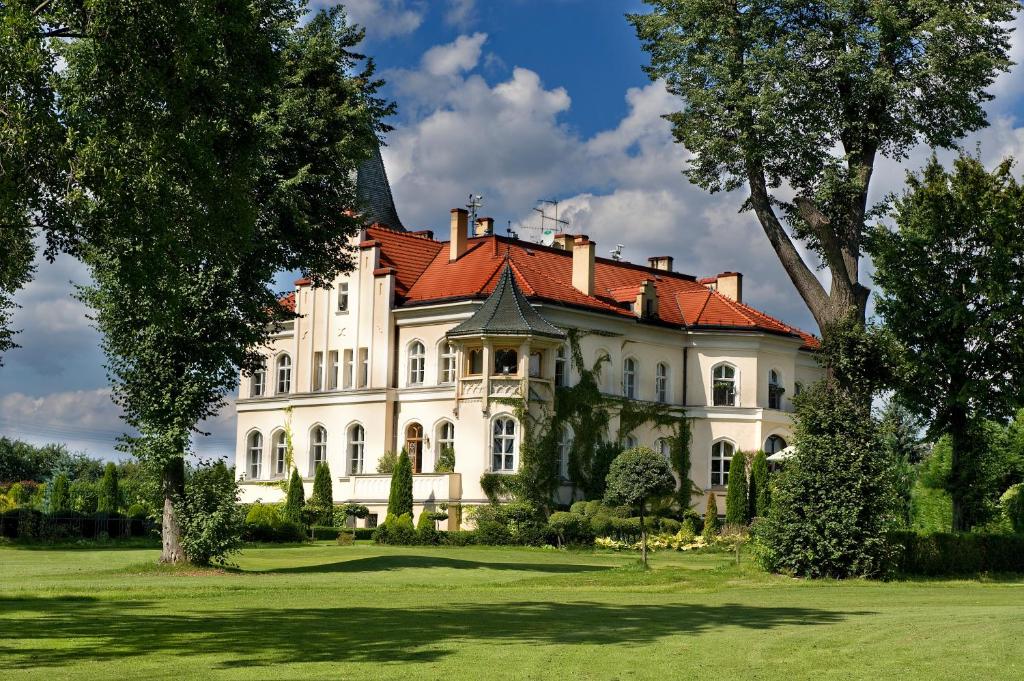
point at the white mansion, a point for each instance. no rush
(422, 344)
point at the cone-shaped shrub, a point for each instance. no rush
(60, 494)
(737, 506)
(710, 519)
(760, 497)
(107, 502)
(323, 494)
(400, 498)
(296, 498)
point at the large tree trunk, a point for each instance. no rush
(173, 484)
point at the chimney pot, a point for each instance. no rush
(583, 265)
(460, 235)
(730, 285)
(660, 262)
(484, 226)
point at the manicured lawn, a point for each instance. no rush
(366, 612)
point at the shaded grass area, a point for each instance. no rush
(366, 612)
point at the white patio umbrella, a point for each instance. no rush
(782, 454)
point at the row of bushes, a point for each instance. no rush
(28, 523)
(943, 554)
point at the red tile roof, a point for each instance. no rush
(424, 275)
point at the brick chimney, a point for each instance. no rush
(646, 304)
(484, 227)
(583, 265)
(460, 233)
(660, 262)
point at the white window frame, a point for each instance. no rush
(279, 458)
(504, 445)
(254, 455)
(333, 369)
(258, 382)
(356, 448)
(718, 453)
(317, 447)
(417, 358)
(448, 363)
(348, 369)
(284, 374)
(735, 380)
(343, 297)
(443, 439)
(565, 442)
(561, 367)
(777, 375)
(661, 383)
(630, 369)
(319, 373)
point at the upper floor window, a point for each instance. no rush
(257, 384)
(255, 448)
(417, 363)
(564, 450)
(445, 446)
(280, 460)
(332, 370)
(629, 378)
(721, 457)
(661, 382)
(318, 371)
(318, 446)
(447, 373)
(348, 370)
(475, 362)
(343, 297)
(561, 368)
(506, 361)
(356, 448)
(774, 444)
(723, 385)
(364, 368)
(284, 374)
(775, 390)
(503, 445)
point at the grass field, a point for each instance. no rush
(368, 612)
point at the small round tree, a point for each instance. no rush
(737, 506)
(400, 498)
(710, 530)
(760, 497)
(296, 498)
(108, 490)
(635, 476)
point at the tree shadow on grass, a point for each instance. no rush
(64, 631)
(398, 562)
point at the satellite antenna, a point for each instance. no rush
(475, 201)
(549, 226)
(617, 251)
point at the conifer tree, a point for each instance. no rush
(323, 493)
(737, 506)
(60, 495)
(400, 498)
(760, 497)
(710, 519)
(296, 498)
(108, 490)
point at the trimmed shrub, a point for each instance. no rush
(459, 538)
(322, 499)
(426, 531)
(579, 508)
(265, 523)
(710, 530)
(760, 494)
(570, 528)
(108, 497)
(296, 498)
(737, 505)
(946, 554)
(400, 497)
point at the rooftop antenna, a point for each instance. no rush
(511, 234)
(475, 201)
(550, 225)
(617, 252)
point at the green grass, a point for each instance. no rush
(367, 612)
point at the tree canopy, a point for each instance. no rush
(797, 100)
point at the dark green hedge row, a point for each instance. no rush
(943, 554)
(329, 533)
(27, 523)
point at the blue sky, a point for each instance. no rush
(517, 100)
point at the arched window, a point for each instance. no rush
(774, 444)
(255, 448)
(445, 447)
(723, 385)
(414, 446)
(318, 446)
(721, 456)
(564, 450)
(258, 382)
(417, 363)
(475, 362)
(506, 361)
(446, 373)
(629, 442)
(280, 460)
(561, 368)
(503, 444)
(664, 447)
(284, 374)
(629, 378)
(661, 382)
(356, 449)
(775, 390)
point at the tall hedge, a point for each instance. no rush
(60, 494)
(737, 506)
(322, 499)
(760, 495)
(296, 498)
(710, 530)
(400, 498)
(107, 502)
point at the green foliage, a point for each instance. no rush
(737, 504)
(760, 492)
(769, 91)
(445, 460)
(23, 461)
(321, 502)
(931, 509)
(711, 527)
(400, 497)
(571, 529)
(296, 498)
(60, 494)
(266, 523)
(396, 530)
(1012, 503)
(636, 475)
(387, 462)
(346, 513)
(108, 497)
(962, 334)
(960, 554)
(833, 503)
(85, 495)
(211, 519)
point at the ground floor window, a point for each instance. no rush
(721, 457)
(503, 444)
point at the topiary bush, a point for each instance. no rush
(737, 505)
(296, 499)
(400, 497)
(266, 523)
(322, 499)
(570, 529)
(710, 529)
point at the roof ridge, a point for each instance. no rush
(561, 284)
(525, 282)
(734, 304)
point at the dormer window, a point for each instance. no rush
(506, 361)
